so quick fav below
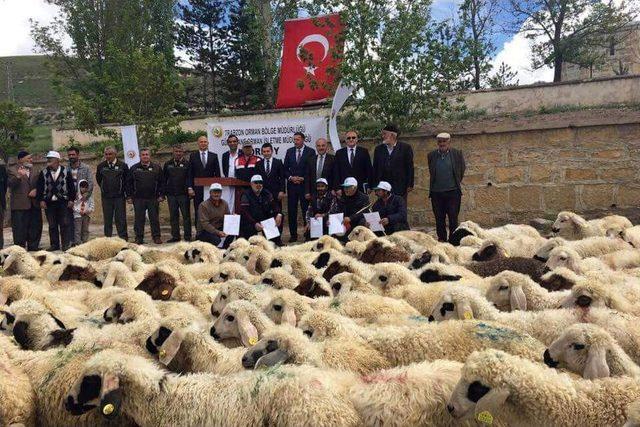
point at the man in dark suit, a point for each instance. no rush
(446, 172)
(354, 161)
(295, 168)
(202, 164)
(229, 157)
(272, 172)
(26, 215)
(320, 166)
(393, 162)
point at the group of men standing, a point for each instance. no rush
(314, 181)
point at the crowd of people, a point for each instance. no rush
(314, 181)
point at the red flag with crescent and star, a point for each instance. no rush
(311, 54)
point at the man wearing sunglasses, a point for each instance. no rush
(353, 161)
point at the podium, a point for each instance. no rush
(235, 184)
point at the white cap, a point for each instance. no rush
(53, 155)
(383, 185)
(215, 187)
(443, 135)
(256, 178)
(322, 181)
(350, 182)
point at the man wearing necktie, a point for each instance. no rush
(202, 164)
(296, 168)
(353, 161)
(320, 166)
(273, 176)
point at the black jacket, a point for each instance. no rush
(293, 168)
(225, 162)
(112, 181)
(312, 174)
(396, 169)
(254, 209)
(360, 170)
(352, 207)
(176, 177)
(42, 195)
(395, 210)
(197, 170)
(459, 166)
(4, 179)
(145, 182)
(274, 182)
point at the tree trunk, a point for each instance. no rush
(557, 68)
(265, 16)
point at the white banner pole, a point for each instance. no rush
(342, 94)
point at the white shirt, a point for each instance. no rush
(54, 176)
(232, 164)
(206, 156)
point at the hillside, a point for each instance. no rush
(31, 82)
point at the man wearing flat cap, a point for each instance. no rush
(391, 207)
(26, 216)
(393, 162)
(446, 170)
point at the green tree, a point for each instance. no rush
(478, 23)
(562, 30)
(503, 77)
(15, 130)
(396, 58)
(120, 67)
(202, 34)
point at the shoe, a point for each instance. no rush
(172, 240)
(53, 248)
(293, 239)
(139, 242)
(157, 240)
(188, 239)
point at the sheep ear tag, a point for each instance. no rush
(248, 332)
(111, 398)
(468, 315)
(485, 417)
(170, 347)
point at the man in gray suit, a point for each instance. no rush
(26, 216)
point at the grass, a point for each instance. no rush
(41, 139)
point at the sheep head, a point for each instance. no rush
(239, 319)
(313, 287)
(158, 284)
(583, 349)
(283, 344)
(559, 279)
(506, 291)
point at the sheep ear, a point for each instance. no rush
(251, 265)
(579, 221)
(464, 311)
(517, 298)
(110, 280)
(596, 366)
(111, 396)
(490, 404)
(170, 347)
(289, 316)
(272, 359)
(248, 332)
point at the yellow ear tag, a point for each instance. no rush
(253, 341)
(162, 353)
(468, 315)
(485, 417)
(165, 293)
(108, 409)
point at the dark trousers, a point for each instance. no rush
(295, 196)
(59, 221)
(115, 208)
(1, 228)
(71, 229)
(197, 200)
(140, 208)
(446, 204)
(26, 226)
(205, 236)
(179, 205)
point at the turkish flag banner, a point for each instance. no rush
(311, 54)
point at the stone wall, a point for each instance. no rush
(519, 174)
(585, 93)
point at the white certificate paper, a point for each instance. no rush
(231, 225)
(270, 229)
(315, 227)
(335, 224)
(373, 219)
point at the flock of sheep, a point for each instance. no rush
(501, 327)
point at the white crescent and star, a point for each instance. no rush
(313, 38)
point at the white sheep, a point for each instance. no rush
(343, 283)
(591, 352)
(279, 278)
(99, 248)
(593, 293)
(499, 386)
(631, 236)
(589, 247)
(241, 319)
(633, 411)
(510, 291)
(509, 231)
(17, 395)
(573, 227)
(234, 290)
(15, 260)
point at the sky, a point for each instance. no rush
(15, 37)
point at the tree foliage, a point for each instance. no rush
(120, 66)
(15, 130)
(503, 77)
(566, 30)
